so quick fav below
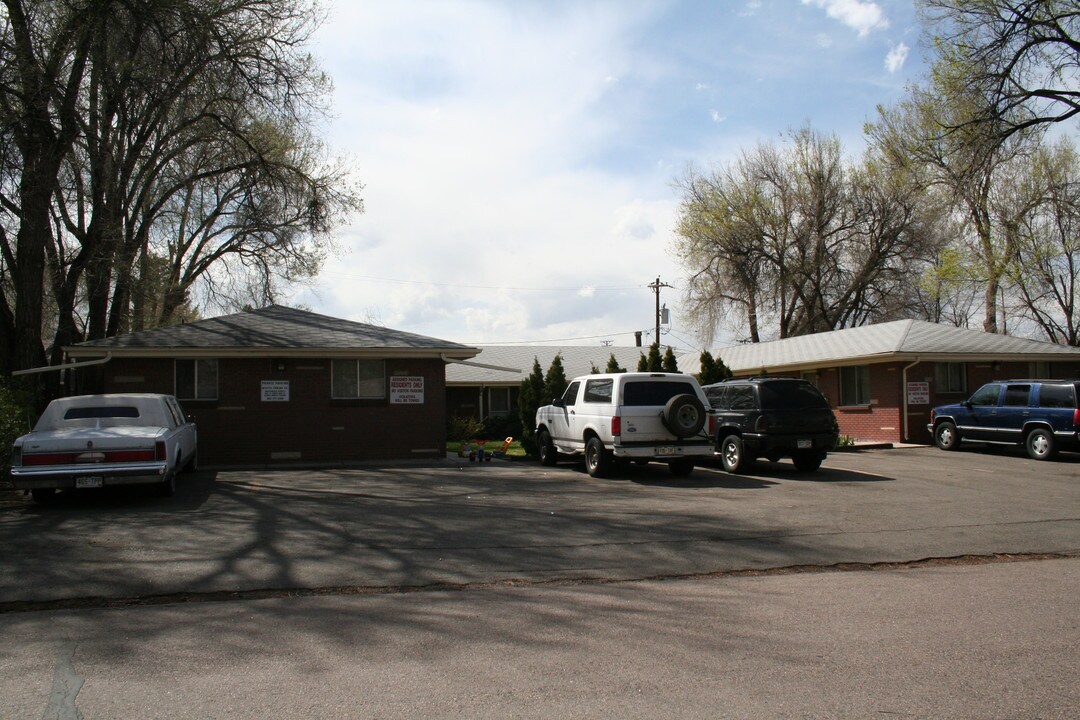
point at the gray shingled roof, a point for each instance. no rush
(577, 360)
(901, 339)
(274, 328)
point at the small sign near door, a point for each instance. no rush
(918, 393)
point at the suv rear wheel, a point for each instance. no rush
(597, 460)
(1040, 444)
(733, 454)
(807, 460)
(681, 467)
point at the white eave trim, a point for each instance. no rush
(172, 353)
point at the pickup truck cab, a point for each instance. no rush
(627, 416)
(94, 441)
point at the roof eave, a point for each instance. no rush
(455, 353)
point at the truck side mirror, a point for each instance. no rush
(559, 403)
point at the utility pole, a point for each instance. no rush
(656, 289)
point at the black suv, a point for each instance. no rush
(771, 417)
(1041, 415)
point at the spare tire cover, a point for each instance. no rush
(684, 415)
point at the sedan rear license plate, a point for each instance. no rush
(94, 481)
(804, 444)
(667, 451)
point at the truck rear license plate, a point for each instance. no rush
(667, 451)
(804, 444)
(94, 481)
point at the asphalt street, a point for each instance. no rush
(511, 590)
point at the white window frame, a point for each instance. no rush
(195, 375)
(360, 382)
(862, 386)
(505, 392)
(943, 377)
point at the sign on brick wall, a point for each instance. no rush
(275, 391)
(918, 393)
(406, 390)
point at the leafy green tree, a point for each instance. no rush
(670, 363)
(593, 370)
(643, 363)
(529, 400)
(927, 137)
(613, 365)
(555, 380)
(712, 370)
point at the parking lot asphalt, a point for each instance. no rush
(383, 529)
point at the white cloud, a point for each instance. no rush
(717, 117)
(894, 61)
(823, 40)
(861, 16)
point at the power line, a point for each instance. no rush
(395, 281)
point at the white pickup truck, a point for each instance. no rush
(628, 416)
(93, 441)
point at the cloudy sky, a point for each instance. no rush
(518, 156)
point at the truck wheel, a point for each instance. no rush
(684, 415)
(733, 454)
(597, 460)
(681, 467)
(44, 496)
(807, 460)
(1040, 444)
(548, 455)
(946, 436)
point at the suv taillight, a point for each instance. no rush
(1076, 418)
(761, 424)
(616, 425)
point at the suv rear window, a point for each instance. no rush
(791, 396)
(1057, 396)
(654, 393)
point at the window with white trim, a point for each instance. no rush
(950, 377)
(499, 401)
(855, 385)
(358, 380)
(196, 379)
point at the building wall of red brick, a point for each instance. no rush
(882, 418)
(241, 428)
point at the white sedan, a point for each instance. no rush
(94, 441)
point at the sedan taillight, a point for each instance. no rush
(159, 450)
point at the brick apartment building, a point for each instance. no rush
(882, 380)
(280, 385)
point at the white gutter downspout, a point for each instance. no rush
(65, 366)
(903, 391)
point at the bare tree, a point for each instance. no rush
(797, 239)
(1022, 57)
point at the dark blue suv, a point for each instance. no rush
(1041, 415)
